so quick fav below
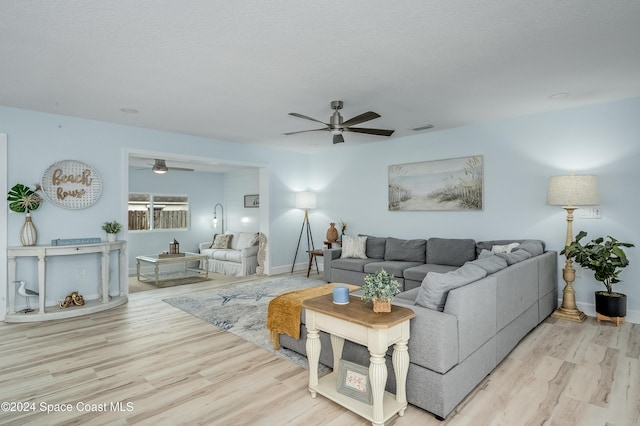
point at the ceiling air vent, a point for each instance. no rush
(423, 127)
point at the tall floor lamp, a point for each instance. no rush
(570, 192)
(305, 200)
(215, 216)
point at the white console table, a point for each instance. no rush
(43, 312)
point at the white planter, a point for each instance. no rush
(28, 233)
(111, 237)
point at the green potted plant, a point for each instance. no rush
(111, 228)
(379, 288)
(606, 259)
(23, 199)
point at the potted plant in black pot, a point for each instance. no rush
(606, 259)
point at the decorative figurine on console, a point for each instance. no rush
(73, 299)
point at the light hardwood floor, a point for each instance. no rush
(167, 367)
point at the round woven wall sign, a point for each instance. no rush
(71, 184)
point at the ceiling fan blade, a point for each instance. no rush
(369, 115)
(338, 139)
(379, 132)
(181, 169)
(295, 114)
(304, 131)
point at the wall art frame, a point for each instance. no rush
(454, 184)
(252, 201)
(353, 381)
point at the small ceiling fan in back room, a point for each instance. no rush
(160, 166)
(337, 126)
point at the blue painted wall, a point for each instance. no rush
(519, 156)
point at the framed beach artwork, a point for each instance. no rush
(455, 184)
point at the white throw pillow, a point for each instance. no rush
(354, 247)
(244, 240)
(507, 248)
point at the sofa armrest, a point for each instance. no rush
(249, 251)
(203, 246)
(328, 256)
(474, 305)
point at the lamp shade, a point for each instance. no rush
(573, 190)
(306, 200)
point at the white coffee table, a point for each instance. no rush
(156, 262)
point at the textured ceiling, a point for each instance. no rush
(233, 70)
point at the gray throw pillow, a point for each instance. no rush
(534, 248)
(435, 286)
(491, 264)
(514, 256)
(485, 253)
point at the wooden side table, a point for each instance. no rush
(358, 323)
(331, 243)
(312, 255)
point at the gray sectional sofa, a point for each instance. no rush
(488, 303)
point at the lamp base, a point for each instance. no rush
(574, 315)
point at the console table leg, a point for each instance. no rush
(400, 360)
(313, 356)
(378, 378)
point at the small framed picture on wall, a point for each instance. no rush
(251, 201)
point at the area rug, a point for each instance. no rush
(242, 309)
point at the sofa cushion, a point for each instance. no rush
(356, 265)
(491, 264)
(220, 254)
(435, 287)
(354, 247)
(405, 250)
(417, 273)
(450, 251)
(375, 246)
(394, 267)
(515, 256)
(234, 256)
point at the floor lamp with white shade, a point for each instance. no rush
(569, 192)
(305, 200)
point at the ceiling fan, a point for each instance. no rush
(160, 166)
(337, 126)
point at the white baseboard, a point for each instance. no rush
(299, 267)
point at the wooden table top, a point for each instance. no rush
(359, 312)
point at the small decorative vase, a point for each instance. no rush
(332, 233)
(111, 237)
(381, 305)
(28, 232)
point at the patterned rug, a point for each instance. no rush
(242, 309)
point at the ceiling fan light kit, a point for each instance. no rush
(337, 125)
(160, 167)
